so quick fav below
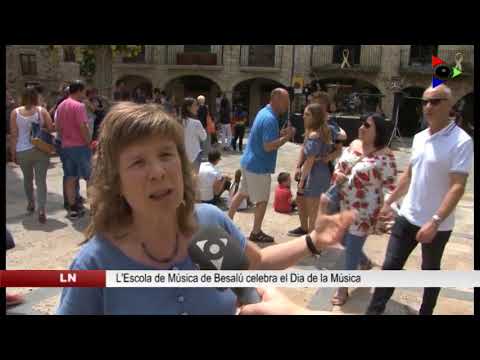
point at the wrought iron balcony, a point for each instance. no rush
(322, 58)
(261, 57)
(176, 57)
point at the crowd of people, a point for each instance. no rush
(155, 171)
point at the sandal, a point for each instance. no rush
(42, 218)
(368, 265)
(31, 207)
(340, 297)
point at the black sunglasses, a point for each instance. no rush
(366, 124)
(434, 102)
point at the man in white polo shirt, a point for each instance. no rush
(434, 182)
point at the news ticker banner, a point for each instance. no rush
(226, 279)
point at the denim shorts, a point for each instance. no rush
(77, 162)
(333, 196)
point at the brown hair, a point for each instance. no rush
(30, 96)
(125, 124)
(321, 97)
(318, 123)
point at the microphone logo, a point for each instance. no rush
(213, 250)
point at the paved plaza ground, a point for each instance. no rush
(53, 246)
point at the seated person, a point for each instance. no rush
(283, 202)
(211, 183)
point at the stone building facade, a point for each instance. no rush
(247, 73)
(33, 64)
(239, 70)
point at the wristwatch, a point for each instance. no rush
(311, 245)
(437, 219)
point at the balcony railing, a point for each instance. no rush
(251, 60)
(176, 56)
(322, 58)
(144, 57)
(421, 65)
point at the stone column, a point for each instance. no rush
(102, 78)
(254, 100)
(390, 69)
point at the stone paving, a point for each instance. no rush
(53, 245)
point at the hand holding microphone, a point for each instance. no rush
(212, 248)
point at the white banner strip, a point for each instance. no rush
(293, 279)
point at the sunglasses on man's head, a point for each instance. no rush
(434, 102)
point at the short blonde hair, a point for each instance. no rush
(201, 99)
(125, 124)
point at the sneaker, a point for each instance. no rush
(297, 232)
(75, 212)
(261, 237)
(14, 299)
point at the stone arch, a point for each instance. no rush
(465, 110)
(410, 111)
(133, 82)
(459, 95)
(253, 93)
(268, 77)
(339, 88)
(167, 80)
(191, 85)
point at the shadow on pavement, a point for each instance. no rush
(357, 303)
(31, 223)
(81, 224)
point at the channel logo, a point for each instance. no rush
(442, 71)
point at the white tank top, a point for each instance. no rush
(24, 125)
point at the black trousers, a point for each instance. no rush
(401, 244)
(239, 134)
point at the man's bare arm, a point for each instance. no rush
(402, 187)
(458, 182)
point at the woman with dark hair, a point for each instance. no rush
(194, 132)
(144, 216)
(31, 160)
(366, 170)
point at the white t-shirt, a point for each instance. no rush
(433, 158)
(194, 134)
(207, 175)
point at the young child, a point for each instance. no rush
(283, 202)
(234, 189)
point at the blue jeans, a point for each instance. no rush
(77, 162)
(77, 182)
(353, 250)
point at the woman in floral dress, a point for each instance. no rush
(366, 170)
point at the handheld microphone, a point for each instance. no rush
(212, 248)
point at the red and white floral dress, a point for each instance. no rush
(364, 190)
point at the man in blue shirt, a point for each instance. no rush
(260, 158)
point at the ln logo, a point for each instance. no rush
(71, 278)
